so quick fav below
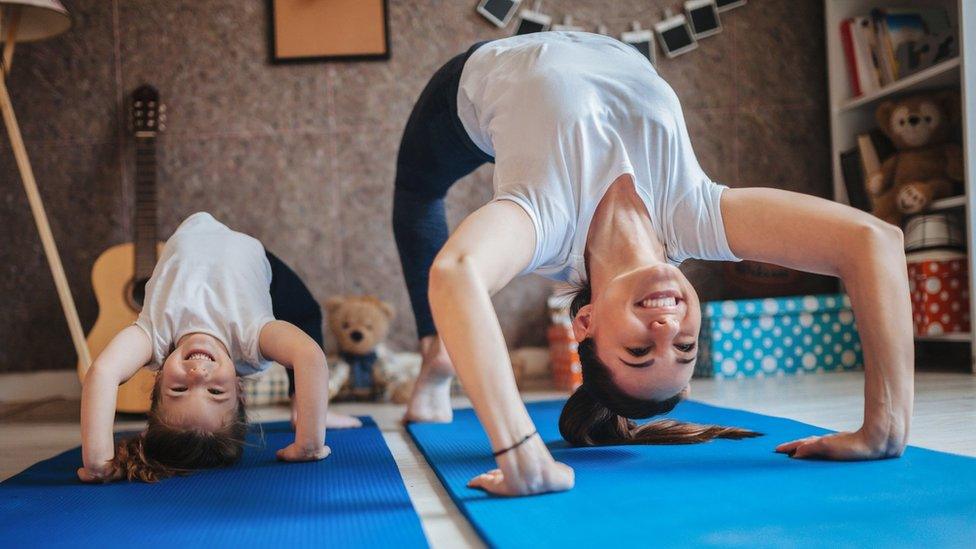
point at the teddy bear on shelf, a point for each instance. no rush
(926, 164)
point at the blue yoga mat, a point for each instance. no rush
(723, 493)
(354, 498)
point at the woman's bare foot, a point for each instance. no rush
(431, 398)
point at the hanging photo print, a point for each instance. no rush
(703, 16)
(642, 40)
(499, 12)
(533, 21)
(725, 5)
(675, 35)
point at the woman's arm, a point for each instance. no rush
(811, 234)
(292, 348)
(128, 351)
(490, 248)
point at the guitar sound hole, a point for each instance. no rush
(137, 293)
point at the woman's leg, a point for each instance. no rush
(434, 153)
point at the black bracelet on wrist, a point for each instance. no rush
(517, 444)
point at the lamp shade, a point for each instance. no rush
(37, 19)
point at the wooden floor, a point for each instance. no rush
(945, 419)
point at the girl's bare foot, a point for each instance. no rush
(332, 420)
(342, 421)
(431, 398)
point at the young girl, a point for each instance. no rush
(596, 184)
(208, 318)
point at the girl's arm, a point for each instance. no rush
(488, 250)
(128, 351)
(292, 348)
(819, 236)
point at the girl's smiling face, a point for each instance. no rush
(199, 385)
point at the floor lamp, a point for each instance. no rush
(25, 21)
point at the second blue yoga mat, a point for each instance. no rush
(354, 498)
(719, 494)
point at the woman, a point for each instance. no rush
(596, 184)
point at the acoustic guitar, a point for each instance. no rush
(120, 274)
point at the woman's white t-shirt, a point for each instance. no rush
(209, 279)
(565, 114)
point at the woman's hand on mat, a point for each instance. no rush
(302, 452)
(528, 469)
(556, 477)
(839, 446)
(104, 474)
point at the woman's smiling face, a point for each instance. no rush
(645, 328)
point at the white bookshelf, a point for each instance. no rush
(850, 116)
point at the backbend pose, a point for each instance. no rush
(596, 184)
(218, 306)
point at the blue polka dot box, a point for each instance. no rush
(775, 337)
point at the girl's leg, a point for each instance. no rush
(435, 152)
(292, 302)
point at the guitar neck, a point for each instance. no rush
(145, 221)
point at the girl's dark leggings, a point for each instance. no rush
(292, 302)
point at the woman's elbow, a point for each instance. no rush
(877, 236)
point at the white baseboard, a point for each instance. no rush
(37, 385)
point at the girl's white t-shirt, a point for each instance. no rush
(565, 114)
(212, 280)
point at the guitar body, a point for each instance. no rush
(112, 280)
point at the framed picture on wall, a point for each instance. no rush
(323, 30)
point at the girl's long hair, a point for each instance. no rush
(599, 413)
(164, 450)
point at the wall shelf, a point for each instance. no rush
(948, 203)
(960, 338)
(936, 76)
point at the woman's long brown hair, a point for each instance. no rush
(163, 450)
(599, 413)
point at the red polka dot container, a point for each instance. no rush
(939, 282)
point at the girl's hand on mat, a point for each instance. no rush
(839, 446)
(105, 474)
(298, 452)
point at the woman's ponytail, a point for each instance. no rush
(585, 421)
(597, 413)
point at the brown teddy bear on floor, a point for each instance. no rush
(926, 163)
(360, 325)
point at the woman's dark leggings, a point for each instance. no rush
(435, 152)
(292, 302)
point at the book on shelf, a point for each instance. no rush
(891, 43)
(858, 35)
(858, 163)
(853, 174)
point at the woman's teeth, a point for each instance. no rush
(199, 356)
(659, 302)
